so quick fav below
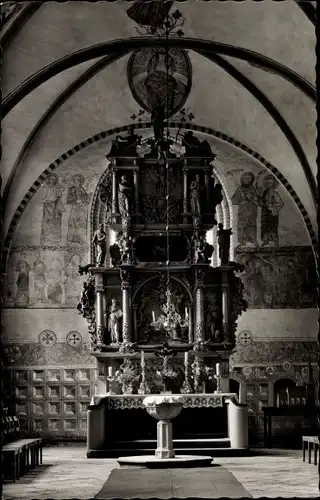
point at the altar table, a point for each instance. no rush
(109, 414)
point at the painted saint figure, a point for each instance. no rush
(271, 206)
(115, 321)
(22, 283)
(39, 279)
(247, 199)
(195, 193)
(99, 240)
(52, 211)
(160, 84)
(124, 196)
(79, 199)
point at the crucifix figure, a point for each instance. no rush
(167, 373)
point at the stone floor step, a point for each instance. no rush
(177, 443)
(214, 452)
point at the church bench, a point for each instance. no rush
(19, 454)
(310, 442)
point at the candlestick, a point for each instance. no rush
(218, 369)
(186, 354)
(143, 387)
(218, 379)
(186, 388)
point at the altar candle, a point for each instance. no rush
(186, 313)
(186, 354)
(218, 369)
(153, 316)
(110, 371)
(142, 358)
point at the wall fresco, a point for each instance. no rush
(279, 279)
(44, 277)
(264, 216)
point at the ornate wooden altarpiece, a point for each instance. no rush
(121, 299)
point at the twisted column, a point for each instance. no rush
(114, 191)
(126, 306)
(200, 332)
(190, 332)
(136, 188)
(185, 194)
(225, 304)
(100, 309)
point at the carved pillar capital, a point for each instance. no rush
(98, 282)
(125, 277)
(199, 278)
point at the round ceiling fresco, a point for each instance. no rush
(160, 77)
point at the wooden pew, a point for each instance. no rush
(310, 443)
(19, 454)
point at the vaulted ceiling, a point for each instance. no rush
(64, 79)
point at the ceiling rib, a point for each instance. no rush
(128, 45)
(62, 98)
(229, 68)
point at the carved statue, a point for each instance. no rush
(125, 196)
(218, 336)
(196, 148)
(125, 249)
(124, 146)
(115, 254)
(202, 250)
(212, 320)
(87, 298)
(216, 195)
(195, 193)
(99, 240)
(115, 321)
(224, 243)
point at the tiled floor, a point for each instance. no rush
(67, 473)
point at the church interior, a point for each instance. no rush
(159, 250)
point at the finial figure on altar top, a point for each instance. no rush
(125, 196)
(224, 243)
(115, 321)
(125, 146)
(99, 241)
(196, 148)
(196, 189)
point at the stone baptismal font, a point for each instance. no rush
(160, 301)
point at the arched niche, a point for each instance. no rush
(286, 392)
(147, 302)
